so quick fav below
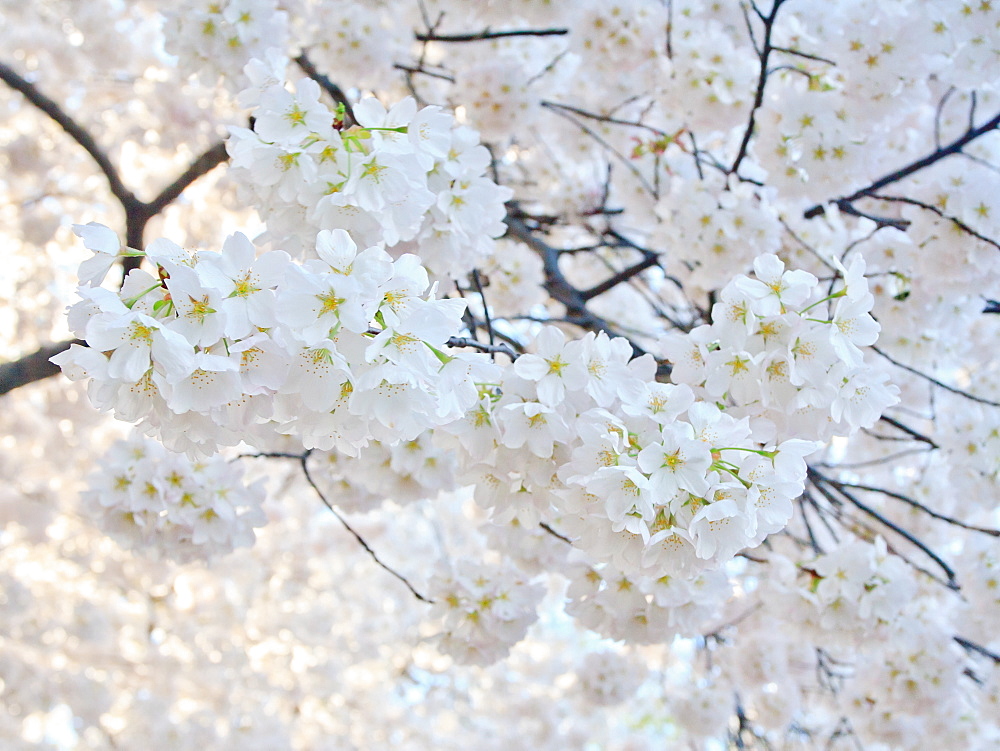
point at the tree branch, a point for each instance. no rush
(758, 99)
(204, 164)
(328, 86)
(137, 212)
(556, 283)
(935, 381)
(820, 480)
(973, 647)
(935, 210)
(486, 34)
(908, 430)
(33, 367)
(918, 505)
(649, 260)
(75, 131)
(503, 349)
(304, 462)
(935, 156)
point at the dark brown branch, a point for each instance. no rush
(137, 212)
(649, 260)
(74, 130)
(758, 100)
(908, 430)
(486, 34)
(36, 366)
(33, 367)
(918, 505)
(880, 221)
(138, 215)
(557, 535)
(800, 53)
(204, 164)
(568, 115)
(328, 86)
(478, 284)
(973, 647)
(606, 118)
(304, 462)
(935, 381)
(433, 74)
(822, 483)
(937, 155)
(556, 283)
(935, 210)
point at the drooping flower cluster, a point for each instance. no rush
(151, 499)
(215, 39)
(644, 609)
(485, 610)
(402, 177)
(713, 227)
(218, 348)
(402, 472)
(609, 678)
(859, 586)
(777, 355)
(638, 473)
(683, 137)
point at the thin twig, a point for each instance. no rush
(304, 462)
(411, 69)
(486, 34)
(935, 381)
(938, 154)
(486, 308)
(764, 52)
(973, 647)
(935, 210)
(854, 525)
(565, 113)
(547, 528)
(819, 481)
(908, 430)
(607, 118)
(800, 53)
(918, 505)
(462, 341)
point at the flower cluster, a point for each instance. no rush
(713, 227)
(638, 473)
(219, 348)
(148, 498)
(402, 177)
(217, 39)
(485, 610)
(403, 472)
(609, 678)
(774, 355)
(858, 585)
(643, 609)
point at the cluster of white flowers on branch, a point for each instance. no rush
(666, 323)
(151, 499)
(220, 347)
(404, 178)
